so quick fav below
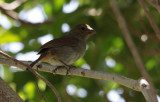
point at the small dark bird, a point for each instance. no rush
(65, 50)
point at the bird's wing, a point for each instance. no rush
(64, 41)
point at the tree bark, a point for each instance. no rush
(7, 94)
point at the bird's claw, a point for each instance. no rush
(68, 67)
(58, 67)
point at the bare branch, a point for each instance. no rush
(35, 73)
(137, 85)
(155, 3)
(13, 5)
(153, 24)
(145, 88)
(7, 9)
(7, 94)
(39, 90)
(132, 47)
(130, 83)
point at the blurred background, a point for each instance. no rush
(27, 24)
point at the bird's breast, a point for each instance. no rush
(67, 54)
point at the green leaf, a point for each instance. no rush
(57, 5)
(151, 63)
(7, 36)
(30, 90)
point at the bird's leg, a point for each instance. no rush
(58, 67)
(68, 67)
(39, 66)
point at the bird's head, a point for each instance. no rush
(82, 31)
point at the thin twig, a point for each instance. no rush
(13, 5)
(8, 9)
(155, 3)
(153, 24)
(39, 90)
(35, 73)
(132, 47)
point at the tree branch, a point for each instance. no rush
(153, 24)
(13, 5)
(145, 87)
(155, 3)
(130, 83)
(7, 9)
(132, 47)
(137, 85)
(7, 94)
(35, 73)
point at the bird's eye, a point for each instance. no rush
(83, 28)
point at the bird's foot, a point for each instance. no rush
(67, 67)
(27, 69)
(58, 67)
(39, 66)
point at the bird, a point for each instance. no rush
(67, 49)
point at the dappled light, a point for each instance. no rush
(124, 47)
(94, 12)
(45, 38)
(77, 92)
(70, 7)
(114, 96)
(86, 66)
(4, 22)
(71, 89)
(30, 56)
(65, 27)
(35, 15)
(13, 47)
(110, 62)
(82, 93)
(144, 37)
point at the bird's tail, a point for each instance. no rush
(36, 61)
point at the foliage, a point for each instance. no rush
(106, 47)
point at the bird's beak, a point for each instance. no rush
(91, 31)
